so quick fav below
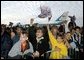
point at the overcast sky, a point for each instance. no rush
(23, 11)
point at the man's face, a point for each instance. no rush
(73, 31)
(18, 30)
(39, 33)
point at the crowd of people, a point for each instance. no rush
(47, 42)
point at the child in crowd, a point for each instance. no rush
(39, 42)
(59, 50)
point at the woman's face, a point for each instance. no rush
(54, 31)
(59, 39)
(39, 33)
(23, 37)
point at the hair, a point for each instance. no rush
(13, 30)
(60, 35)
(39, 28)
(27, 45)
(77, 27)
(25, 32)
(66, 33)
(45, 30)
(62, 28)
(3, 27)
(18, 27)
(8, 30)
(81, 30)
(54, 27)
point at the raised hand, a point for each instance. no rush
(47, 26)
(36, 54)
(31, 21)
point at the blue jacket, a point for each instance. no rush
(6, 44)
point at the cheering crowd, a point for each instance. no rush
(47, 42)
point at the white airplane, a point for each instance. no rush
(46, 12)
(61, 19)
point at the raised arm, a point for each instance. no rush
(32, 35)
(31, 31)
(53, 40)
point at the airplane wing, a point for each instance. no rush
(58, 22)
(63, 16)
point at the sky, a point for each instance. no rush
(23, 11)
